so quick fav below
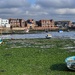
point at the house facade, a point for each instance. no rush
(63, 23)
(17, 22)
(31, 24)
(47, 23)
(4, 23)
(43, 24)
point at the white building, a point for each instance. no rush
(4, 23)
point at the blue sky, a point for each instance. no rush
(32, 1)
(38, 9)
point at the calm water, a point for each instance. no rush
(70, 35)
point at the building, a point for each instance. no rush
(73, 24)
(31, 24)
(22, 23)
(17, 22)
(4, 23)
(63, 23)
(46, 23)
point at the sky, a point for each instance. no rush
(32, 1)
(38, 9)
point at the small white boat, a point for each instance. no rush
(27, 30)
(70, 62)
(49, 36)
(1, 41)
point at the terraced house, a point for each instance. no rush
(63, 23)
(31, 24)
(47, 23)
(35, 25)
(17, 22)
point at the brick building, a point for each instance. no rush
(47, 23)
(17, 22)
(31, 24)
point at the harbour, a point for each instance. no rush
(70, 35)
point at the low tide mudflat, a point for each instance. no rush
(36, 56)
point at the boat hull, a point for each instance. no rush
(0, 42)
(49, 36)
(70, 62)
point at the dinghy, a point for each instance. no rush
(48, 36)
(70, 62)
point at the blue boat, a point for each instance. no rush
(60, 31)
(70, 62)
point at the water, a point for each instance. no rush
(70, 35)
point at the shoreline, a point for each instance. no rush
(31, 31)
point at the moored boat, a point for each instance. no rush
(48, 36)
(60, 31)
(70, 62)
(27, 30)
(1, 41)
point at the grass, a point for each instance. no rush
(35, 57)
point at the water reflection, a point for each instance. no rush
(70, 35)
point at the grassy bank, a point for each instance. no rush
(36, 56)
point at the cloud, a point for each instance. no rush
(13, 3)
(56, 3)
(35, 7)
(41, 9)
(65, 11)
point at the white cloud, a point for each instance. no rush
(56, 3)
(13, 3)
(49, 9)
(35, 7)
(65, 11)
